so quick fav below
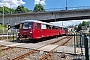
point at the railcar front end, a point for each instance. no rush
(26, 30)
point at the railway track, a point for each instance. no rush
(50, 52)
(4, 48)
(47, 54)
(8, 47)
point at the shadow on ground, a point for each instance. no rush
(34, 40)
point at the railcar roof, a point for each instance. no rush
(31, 21)
(36, 22)
(39, 22)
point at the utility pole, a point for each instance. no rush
(2, 22)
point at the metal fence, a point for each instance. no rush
(82, 41)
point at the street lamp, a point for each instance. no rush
(10, 9)
(66, 4)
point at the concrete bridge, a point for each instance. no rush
(49, 16)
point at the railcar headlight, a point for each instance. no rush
(30, 32)
(18, 32)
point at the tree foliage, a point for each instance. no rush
(21, 9)
(6, 10)
(39, 8)
(84, 23)
(79, 27)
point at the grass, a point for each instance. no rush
(1, 27)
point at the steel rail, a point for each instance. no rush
(7, 48)
(58, 40)
(33, 51)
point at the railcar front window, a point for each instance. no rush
(30, 25)
(25, 26)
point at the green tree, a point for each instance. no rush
(84, 23)
(79, 27)
(0, 10)
(39, 8)
(12, 11)
(76, 28)
(6, 10)
(21, 9)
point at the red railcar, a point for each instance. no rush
(33, 29)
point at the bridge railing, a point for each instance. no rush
(54, 9)
(79, 8)
(68, 8)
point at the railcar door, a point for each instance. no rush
(37, 30)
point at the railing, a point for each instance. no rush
(68, 8)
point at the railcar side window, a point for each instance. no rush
(56, 28)
(53, 27)
(48, 27)
(43, 26)
(38, 25)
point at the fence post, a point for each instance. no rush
(81, 43)
(76, 40)
(86, 47)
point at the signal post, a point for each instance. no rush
(8, 29)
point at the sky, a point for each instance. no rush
(47, 5)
